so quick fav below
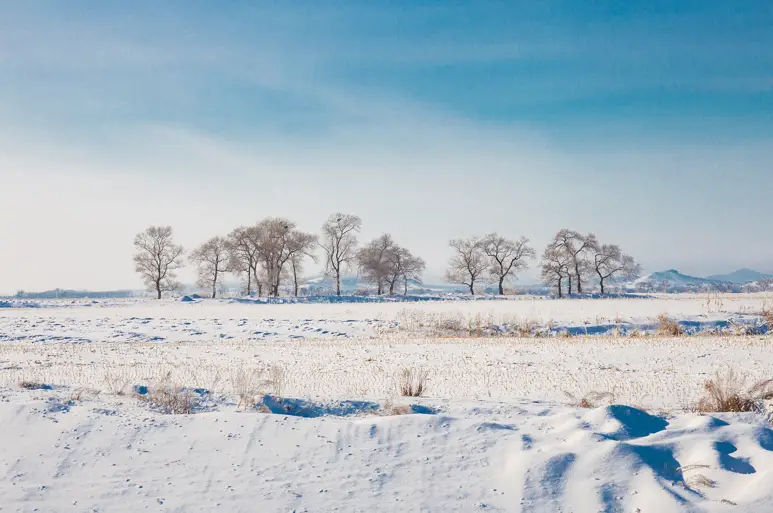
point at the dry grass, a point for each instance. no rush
(669, 327)
(412, 382)
(277, 377)
(248, 384)
(116, 380)
(766, 312)
(171, 399)
(727, 392)
(590, 400)
(700, 481)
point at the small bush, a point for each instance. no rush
(249, 386)
(413, 382)
(727, 392)
(669, 327)
(173, 400)
(168, 398)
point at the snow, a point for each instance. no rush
(258, 319)
(494, 431)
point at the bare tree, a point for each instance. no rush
(413, 268)
(339, 240)
(157, 257)
(211, 261)
(555, 266)
(609, 261)
(401, 265)
(373, 261)
(468, 263)
(577, 248)
(507, 257)
(243, 248)
(302, 245)
(275, 238)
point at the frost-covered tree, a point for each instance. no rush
(280, 248)
(506, 257)
(412, 269)
(339, 241)
(301, 247)
(468, 263)
(243, 252)
(402, 266)
(211, 261)
(156, 259)
(373, 261)
(577, 248)
(609, 261)
(555, 267)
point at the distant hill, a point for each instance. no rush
(674, 277)
(741, 276)
(674, 281)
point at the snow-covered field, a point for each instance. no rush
(82, 428)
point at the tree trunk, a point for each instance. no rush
(601, 282)
(295, 281)
(249, 282)
(570, 283)
(392, 287)
(405, 290)
(338, 283)
(158, 288)
(472, 287)
(579, 279)
(214, 288)
(560, 290)
(501, 286)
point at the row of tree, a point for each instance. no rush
(273, 251)
(569, 260)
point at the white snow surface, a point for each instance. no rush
(493, 432)
(201, 320)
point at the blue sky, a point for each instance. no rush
(649, 123)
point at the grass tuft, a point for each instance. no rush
(412, 382)
(669, 327)
(727, 392)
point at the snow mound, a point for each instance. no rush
(517, 456)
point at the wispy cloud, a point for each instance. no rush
(427, 123)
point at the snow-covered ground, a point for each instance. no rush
(203, 320)
(493, 431)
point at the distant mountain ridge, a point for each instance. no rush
(674, 281)
(741, 276)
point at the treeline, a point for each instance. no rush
(273, 252)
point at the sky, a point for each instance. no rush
(647, 123)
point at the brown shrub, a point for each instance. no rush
(669, 327)
(412, 382)
(727, 392)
